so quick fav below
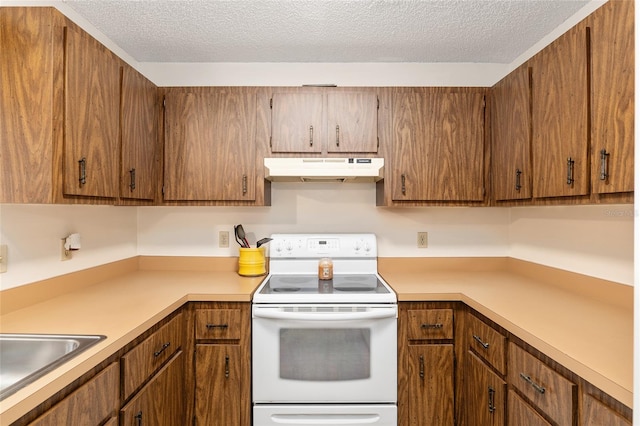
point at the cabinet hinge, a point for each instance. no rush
(378, 141)
(162, 189)
(271, 103)
(164, 102)
(270, 141)
(377, 102)
(484, 101)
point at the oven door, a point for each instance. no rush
(324, 353)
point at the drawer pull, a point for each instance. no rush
(604, 158)
(162, 349)
(437, 325)
(226, 366)
(479, 340)
(570, 166)
(536, 386)
(138, 418)
(492, 399)
(222, 326)
(422, 366)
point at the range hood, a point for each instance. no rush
(323, 169)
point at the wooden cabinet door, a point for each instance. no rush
(352, 122)
(612, 91)
(296, 122)
(521, 413)
(430, 385)
(511, 136)
(218, 385)
(485, 394)
(560, 117)
(595, 413)
(209, 147)
(91, 119)
(438, 147)
(139, 112)
(160, 402)
(90, 404)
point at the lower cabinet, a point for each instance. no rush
(426, 365)
(222, 364)
(521, 414)
(485, 394)
(91, 404)
(596, 413)
(161, 401)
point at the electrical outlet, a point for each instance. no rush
(422, 239)
(223, 239)
(3, 258)
(64, 253)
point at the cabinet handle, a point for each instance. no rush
(138, 418)
(533, 384)
(403, 178)
(479, 340)
(422, 366)
(162, 349)
(226, 366)
(518, 174)
(492, 399)
(210, 326)
(132, 179)
(337, 135)
(310, 135)
(604, 163)
(570, 164)
(82, 166)
(436, 325)
(244, 184)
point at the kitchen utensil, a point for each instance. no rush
(240, 233)
(237, 235)
(263, 241)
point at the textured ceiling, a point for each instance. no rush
(483, 31)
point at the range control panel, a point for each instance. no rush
(319, 245)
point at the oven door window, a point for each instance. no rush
(325, 354)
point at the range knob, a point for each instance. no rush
(367, 247)
(357, 246)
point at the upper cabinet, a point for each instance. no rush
(316, 121)
(612, 89)
(209, 144)
(560, 117)
(438, 144)
(511, 136)
(91, 118)
(139, 133)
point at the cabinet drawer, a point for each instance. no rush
(430, 324)
(224, 324)
(487, 342)
(521, 413)
(142, 361)
(552, 393)
(91, 404)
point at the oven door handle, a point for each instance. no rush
(325, 419)
(377, 313)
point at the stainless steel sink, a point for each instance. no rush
(27, 357)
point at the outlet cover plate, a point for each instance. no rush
(223, 239)
(3, 258)
(423, 239)
(64, 253)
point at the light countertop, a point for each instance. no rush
(583, 323)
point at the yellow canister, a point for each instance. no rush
(251, 262)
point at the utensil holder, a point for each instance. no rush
(251, 262)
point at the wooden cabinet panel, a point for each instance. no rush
(553, 394)
(92, 110)
(511, 136)
(612, 92)
(142, 361)
(426, 324)
(595, 413)
(560, 117)
(521, 414)
(438, 145)
(429, 375)
(352, 122)
(487, 343)
(139, 124)
(219, 324)
(209, 148)
(89, 405)
(218, 385)
(160, 402)
(296, 122)
(485, 394)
